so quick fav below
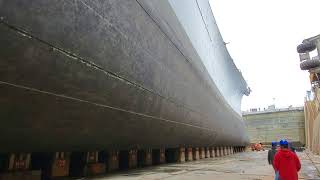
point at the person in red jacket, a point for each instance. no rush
(286, 163)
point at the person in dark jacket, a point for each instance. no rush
(271, 153)
(286, 162)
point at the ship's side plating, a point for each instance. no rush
(116, 74)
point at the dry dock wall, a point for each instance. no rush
(273, 125)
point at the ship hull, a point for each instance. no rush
(82, 75)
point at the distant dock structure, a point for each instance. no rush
(273, 124)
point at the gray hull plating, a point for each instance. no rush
(115, 74)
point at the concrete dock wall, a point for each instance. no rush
(268, 126)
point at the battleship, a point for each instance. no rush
(83, 75)
(87, 74)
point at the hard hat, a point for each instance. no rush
(283, 142)
(273, 143)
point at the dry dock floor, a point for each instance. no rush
(246, 165)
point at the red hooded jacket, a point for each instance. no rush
(287, 163)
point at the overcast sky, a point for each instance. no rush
(263, 36)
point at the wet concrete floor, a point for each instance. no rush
(247, 165)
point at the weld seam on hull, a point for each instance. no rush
(205, 24)
(91, 64)
(165, 34)
(176, 47)
(100, 105)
